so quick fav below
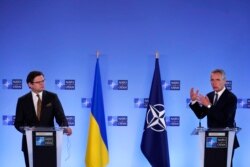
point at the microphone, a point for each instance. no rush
(200, 124)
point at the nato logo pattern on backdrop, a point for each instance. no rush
(12, 84)
(118, 84)
(118, 120)
(173, 120)
(67, 84)
(71, 120)
(86, 102)
(229, 85)
(141, 102)
(243, 103)
(8, 119)
(171, 85)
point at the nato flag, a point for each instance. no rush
(154, 144)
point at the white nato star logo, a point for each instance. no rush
(86, 102)
(156, 118)
(59, 84)
(113, 84)
(165, 85)
(113, 120)
(6, 84)
(40, 140)
(242, 103)
(138, 103)
(6, 120)
(212, 142)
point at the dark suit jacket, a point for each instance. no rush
(222, 114)
(26, 114)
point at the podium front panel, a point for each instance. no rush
(44, 149)
(44, 146)
(216, 148)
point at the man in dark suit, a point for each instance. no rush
(219, 105)
(38, 108)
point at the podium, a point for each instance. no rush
(216, 146)
(44, 146)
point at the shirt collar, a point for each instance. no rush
(220, 92)
(34, 94)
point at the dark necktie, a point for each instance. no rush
(39, 106)
(216, 98)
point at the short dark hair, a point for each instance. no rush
(32, 75)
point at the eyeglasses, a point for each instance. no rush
(38, 82)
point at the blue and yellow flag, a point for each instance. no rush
(97, 148)
(154, 144)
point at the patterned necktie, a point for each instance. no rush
(216, 98)
(39, 106)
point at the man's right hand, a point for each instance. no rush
(194, 94)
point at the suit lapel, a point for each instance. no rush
(44, 100)
(223, 95)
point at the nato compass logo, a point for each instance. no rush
(40, 141)
(156, 118)
(118, 84)
(141, 102)
(12, 84)
(67, 84)
(117, 120)
(229, 85)
(8, 120)
(86, 102)
(171, 85)
(211, 142)
(243, 103)
(216, 142)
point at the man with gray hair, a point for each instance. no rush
(218, 105)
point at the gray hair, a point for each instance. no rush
(220, 71)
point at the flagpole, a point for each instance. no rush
(97, 54)
(157, 54)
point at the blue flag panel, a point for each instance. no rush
(154, 144)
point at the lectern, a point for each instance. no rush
(216, 146)
(44, 146)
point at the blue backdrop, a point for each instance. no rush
(60, 38)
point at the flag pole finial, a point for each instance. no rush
(157, 54)
(97, 54)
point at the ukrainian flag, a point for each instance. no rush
(97, 147)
